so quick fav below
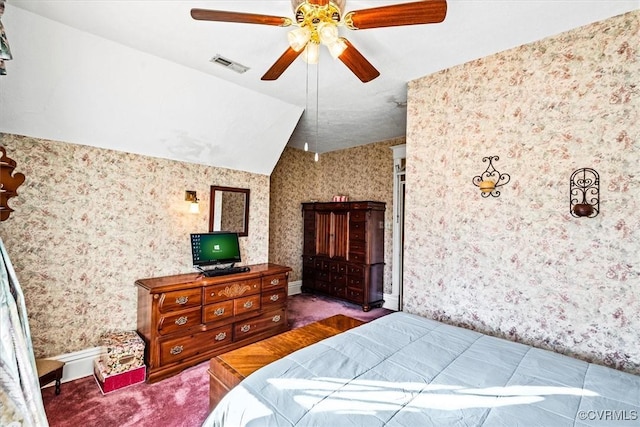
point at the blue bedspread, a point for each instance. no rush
(406, 370)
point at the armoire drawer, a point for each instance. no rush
(358, 215)
(176, 349)
(355, 295)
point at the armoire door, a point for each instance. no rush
(340, 234)
(332, 234)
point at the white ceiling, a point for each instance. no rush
(349, 112)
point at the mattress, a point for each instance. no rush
(406, 370)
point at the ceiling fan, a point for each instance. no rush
(317, 23)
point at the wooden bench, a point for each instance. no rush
(228, 369)
(49, 370)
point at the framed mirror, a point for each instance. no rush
(229, 210)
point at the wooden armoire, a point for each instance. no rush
(343, 251)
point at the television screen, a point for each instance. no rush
(215, 248)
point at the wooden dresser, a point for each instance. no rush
(188, 318)
(343, 251)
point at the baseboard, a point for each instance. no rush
(78, 364)
(391, 301)
(295, 287)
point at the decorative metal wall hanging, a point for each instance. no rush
(9, 183)
(584, 193)
(490, 179)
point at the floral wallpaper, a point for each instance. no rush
(297, 178)
(88, 222)
(520, 266)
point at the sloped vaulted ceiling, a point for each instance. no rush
(135, 75)
(68, 85)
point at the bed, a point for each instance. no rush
(406, 370)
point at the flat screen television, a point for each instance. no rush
(215, 248)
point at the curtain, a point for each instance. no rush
(20, 397)
(5, 52)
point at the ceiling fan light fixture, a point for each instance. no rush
(299, 38)
(311, 53)
(336, 48)
(327, 32)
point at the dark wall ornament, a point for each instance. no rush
(9, 183)
(584, 193)
(490, 179)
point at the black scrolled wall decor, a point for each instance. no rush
(490, 179)
(584, 193)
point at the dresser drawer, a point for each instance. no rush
(179, 300)
(246, 304)
(174, 350)
(269, 320)
(179, 321)
(274, 281)
(217, 311)
(227, 291)
(273, 298)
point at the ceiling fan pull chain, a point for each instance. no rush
(317, 106)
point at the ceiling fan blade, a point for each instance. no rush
(244, 18)
(281, 64)
(420, 12)
(357, 63)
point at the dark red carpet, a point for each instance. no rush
(181, 400)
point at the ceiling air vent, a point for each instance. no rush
(227, 63)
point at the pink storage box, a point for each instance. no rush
(112, 382)
(121, 351)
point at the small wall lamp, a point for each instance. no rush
(584, 193)
(490, 179)
(191, 196)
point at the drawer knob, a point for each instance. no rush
(181, 320)
(248, 304)
(276, 318)
(275, 282)
(176, 350)
(219, 311)
(221, 336)
(245, 328)
(274, 297)
(182, 300)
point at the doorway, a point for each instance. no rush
(399, 175)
